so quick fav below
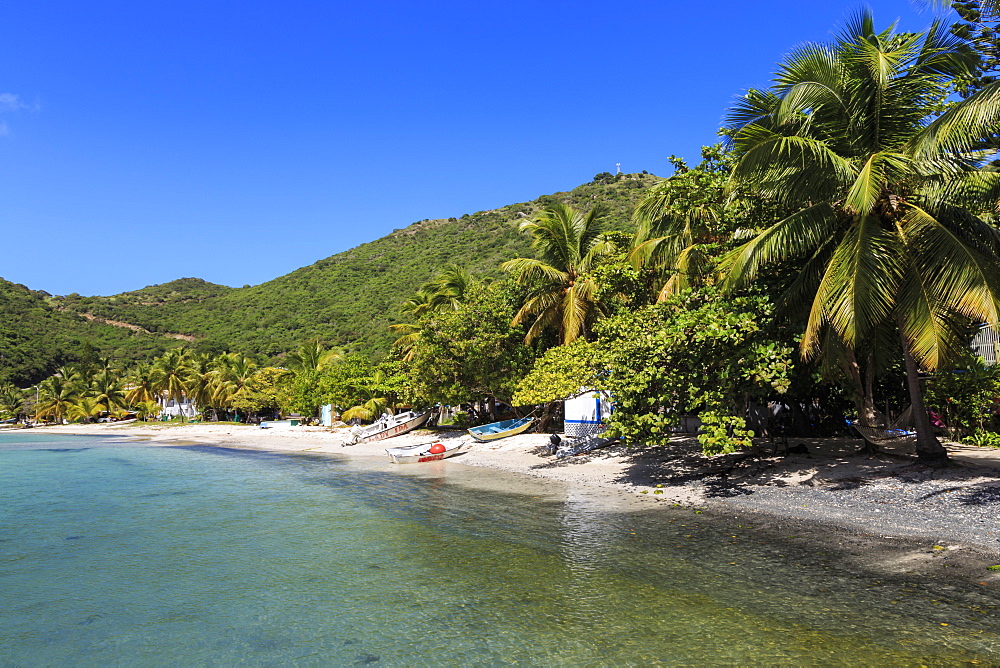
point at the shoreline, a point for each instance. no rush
(893, 512)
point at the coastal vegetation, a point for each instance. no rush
(836, 251)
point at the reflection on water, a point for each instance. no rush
(184, 555)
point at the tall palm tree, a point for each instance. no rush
(203, 381)
(142, 384)
(232, 373)
(885, 196)
(174, 374)
(236, 369)
(56, 396)
(569, 243)
(107, 389)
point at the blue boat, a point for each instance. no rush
(502, 429)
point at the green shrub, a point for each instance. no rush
(983, 439)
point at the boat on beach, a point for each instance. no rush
(502, 429)
(423, 452)
(388, 426)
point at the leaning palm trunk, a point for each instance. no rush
(928, 447)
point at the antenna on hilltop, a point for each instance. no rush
(618, 168)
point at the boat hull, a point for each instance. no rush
(398, 429)
(415, 454)
(492, 436)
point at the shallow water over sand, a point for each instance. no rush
(122, 553)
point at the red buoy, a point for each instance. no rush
(437, 449)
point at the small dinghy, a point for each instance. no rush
(502, 429)
(423, 452)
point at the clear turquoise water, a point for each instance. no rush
(115, 554)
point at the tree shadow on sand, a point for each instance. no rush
(829, 464)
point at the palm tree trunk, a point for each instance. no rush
(929, 449)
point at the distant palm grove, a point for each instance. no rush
(830, 260)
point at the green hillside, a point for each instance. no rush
(36, 336)
(347, 299)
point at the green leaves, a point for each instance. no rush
(561, 372)
(693, 352)
(569, 243)
(886, 195)
(469, 353)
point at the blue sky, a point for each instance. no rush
(142, 142)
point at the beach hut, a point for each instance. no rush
(326, 415)
(586, 412)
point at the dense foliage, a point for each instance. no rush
(472, 352)
(37, 336)
(559, 373)
(694, 352)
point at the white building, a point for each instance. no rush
(585, 412)
(171, 408)
(986, 343)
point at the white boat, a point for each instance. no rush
(388, 426)
(424, 452)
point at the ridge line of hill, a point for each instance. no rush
(347, 299)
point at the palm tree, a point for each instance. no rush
(142, 385)
(56, 396)
(11, 400)
(562, 296)
(232, 372)
(174, 372)
(885, 196)
(85, 408)
(374, 405)
(311, 356)
(107, 390)
(236, 369)
(450, 288)
(678, 220)
(203, 381)
(144, 409)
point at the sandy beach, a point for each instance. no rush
(915, 518)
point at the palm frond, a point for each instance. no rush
(792, 237)
(526, 270)
(859, 286)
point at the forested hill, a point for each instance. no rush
(37, 335)
(346, 299)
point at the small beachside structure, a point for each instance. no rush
(586, 412)
(326, 415)
(986, 344)
(172, 408)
